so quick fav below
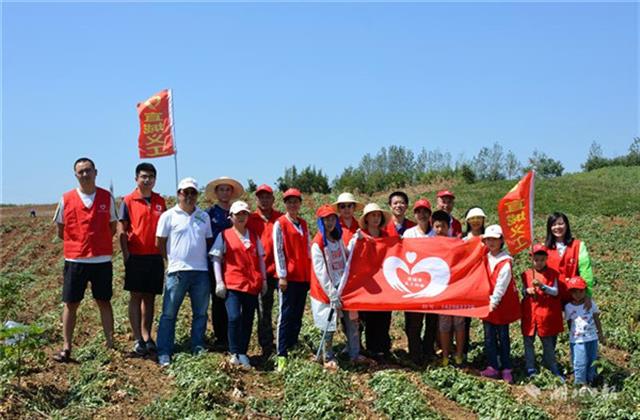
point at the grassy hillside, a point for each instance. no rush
(604, 209)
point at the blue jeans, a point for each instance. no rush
(582, 357)
(196, 283)
(290, 317)
(241, 307)
(497, 345)
(353, 338)
(548, 353)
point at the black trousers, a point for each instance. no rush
(376, 331)
(421, 345)
(219, 317)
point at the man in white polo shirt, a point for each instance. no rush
(184, 237)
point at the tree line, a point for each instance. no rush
(398, 167)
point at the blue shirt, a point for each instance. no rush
(219, 219)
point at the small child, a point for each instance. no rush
(504, 307)
(585, 331)
(541, 311)
(446, 323)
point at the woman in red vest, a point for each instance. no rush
(541, 311)
(376, 323)
(504, 307)
(291, 244)
(238, 265)
(329, 257)
(567, 255)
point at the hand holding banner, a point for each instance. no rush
(515, 211)
(156, 126)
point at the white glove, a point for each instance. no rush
(358, 234)
(221, 290)
(265, 287)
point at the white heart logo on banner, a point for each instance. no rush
(436, 267)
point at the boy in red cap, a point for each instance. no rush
(445, 200)
(585, 331)
(541, 311)
(421, 346)
(291, 246)
(261, 222)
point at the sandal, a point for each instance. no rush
(64, 356)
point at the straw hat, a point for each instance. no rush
(346, 198)
(369, 208)
(210, 191)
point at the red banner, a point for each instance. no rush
(440, 275)
(156, 126)
(515, 211)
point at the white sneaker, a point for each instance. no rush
(244, 360)
(234, 359)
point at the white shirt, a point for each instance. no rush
(187, 238)
(583, 326)
(87, 200)
(416, 232)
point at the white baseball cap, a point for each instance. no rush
(493, 231)
(475, 212)
(239, 206)
(188, 183)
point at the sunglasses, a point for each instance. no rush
(346, 206)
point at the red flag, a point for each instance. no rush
(515, 211)
(440, 275)
(156, 126)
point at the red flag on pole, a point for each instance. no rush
(156, 126)
(439, 275)
(515, 211)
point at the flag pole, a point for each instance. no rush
(173, 129)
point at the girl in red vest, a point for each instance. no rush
(329, 259)
(376, 323)
(504, 307)
(238, 265)
(293, 264)
(567, 255)
(541, 311)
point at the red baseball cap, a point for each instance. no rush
(325, 210)
(446, 193)
(539, 249)
(264, 188)
(576, 282)
(422, 203)
(292, 192)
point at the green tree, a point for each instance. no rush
(545, 166)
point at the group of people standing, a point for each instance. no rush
(237, 259)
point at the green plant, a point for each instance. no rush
(398, 398)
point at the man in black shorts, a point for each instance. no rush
(86, 219)
(144, 267)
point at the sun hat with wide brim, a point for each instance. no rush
(475, 212)
(370, 208)
(238, 189)
(347, 198)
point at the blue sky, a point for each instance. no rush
(258, 87)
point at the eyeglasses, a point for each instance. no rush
(346, 206)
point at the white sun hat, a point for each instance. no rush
(239, 206)
(475, 212)
(370, 208)
(493, 231)
(346, 198)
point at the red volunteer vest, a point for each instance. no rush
(87, 232)
(315, 289)
(508, 309)
(241, 265)
(542, 312)
(390, 228)
(296, 249)
(143, 221)
(456, 228)
(264, 229)
(566, 266)
(348, 232)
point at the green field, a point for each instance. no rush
(604, 210)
